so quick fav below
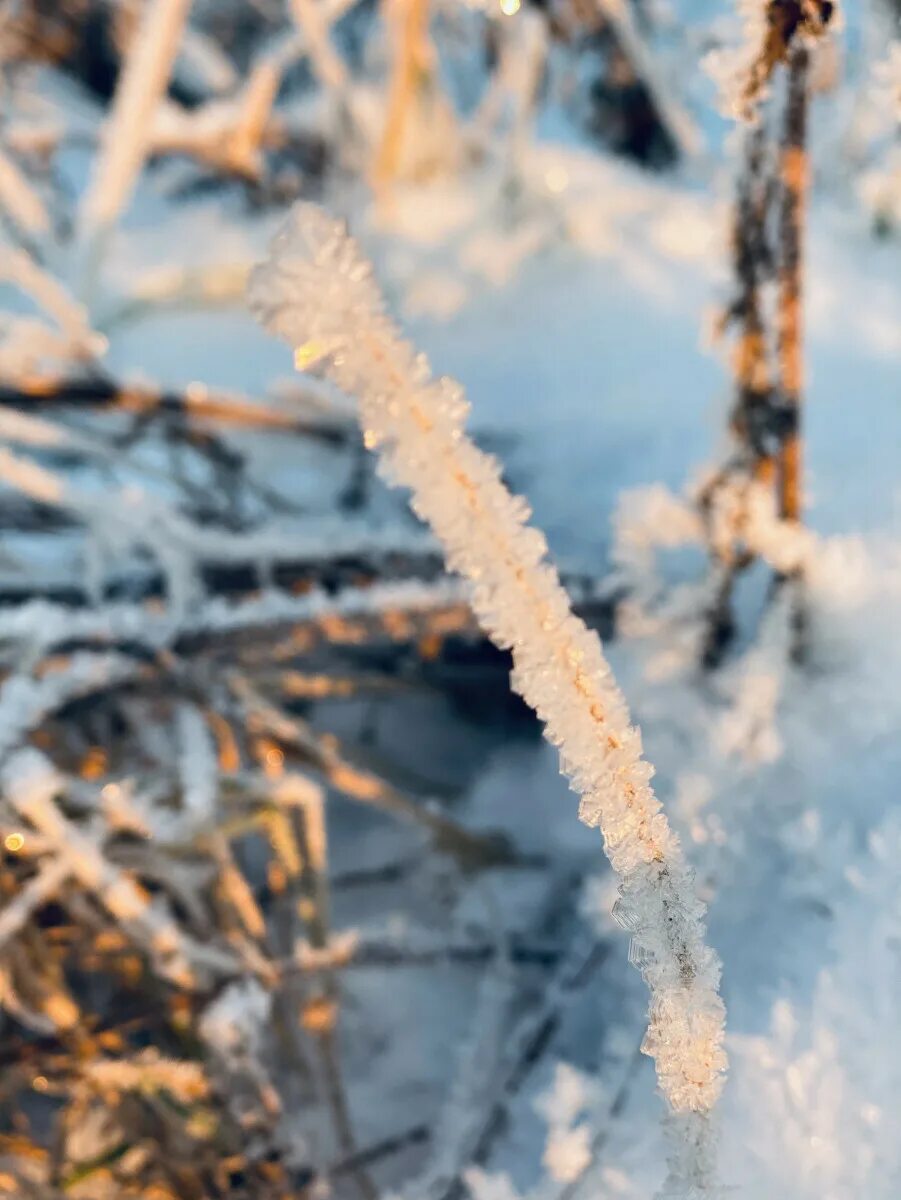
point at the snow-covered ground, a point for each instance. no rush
(576, 324)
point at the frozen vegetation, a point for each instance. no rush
(293, 900)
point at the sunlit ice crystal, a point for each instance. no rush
(317, 291)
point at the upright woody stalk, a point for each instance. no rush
(751, 456)
(317, 292)
(766, 459)
(794, 173)
(752, 368)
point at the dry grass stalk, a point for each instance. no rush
(766, 424)
(408, 23)
(794, 175)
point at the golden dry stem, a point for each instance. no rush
(408, 22)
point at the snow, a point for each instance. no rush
(574, 325)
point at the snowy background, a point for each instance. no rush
(209, 600)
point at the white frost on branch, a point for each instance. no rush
(28, 343)
(475, 1088)
(41, 888)
(31, 785)
(225, 132)
(203, 64)
(132, 517)
(678, 121)
(671, 619)
(317, 292)
(19, 199)
(315, 20)
(509, 104)
(198, 774)
(147, 1073)
(234, 1024)
(25, 700)
(126, 134)
(653, 522)
(748, 728)
(731, 67)
(29, 630)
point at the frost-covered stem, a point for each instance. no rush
(19, 200)
(408, 23)
(31, 785)
(479, 1082)
(298, 836)
(515, 85)
(470, 849)
(41, 888)
(674, 117)
(26, 701)
(308, 821)
(126, 134)
(794, 172)
(314, 22)
(318, 293)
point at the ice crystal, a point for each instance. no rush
(317, 291)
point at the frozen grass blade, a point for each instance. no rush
(318, 293)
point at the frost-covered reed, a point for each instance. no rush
(126, 134)
(317, 291)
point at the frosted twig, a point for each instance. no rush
(198, 777)
(127, 132)
(479, 1081)
(31, 784)
(302, 804)
(319, 419)
(676, 119)
(364, 786)
(26, 701)
(513, 90)
(40, 888)
(19, 199)
(203, 62)
(185, 1081)
(530, 1036)
(133, 516)
(772, 29)
(401, 611)
(315, 20)
(317, 292)
(419, 133)
(72, 338)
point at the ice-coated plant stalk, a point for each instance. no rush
(126, 133)
(317, 291)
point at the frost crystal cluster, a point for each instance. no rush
(317, 291)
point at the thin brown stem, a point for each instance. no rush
(794, 176)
